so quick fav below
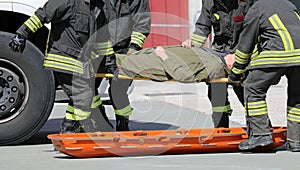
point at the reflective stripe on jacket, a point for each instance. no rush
(129, 22)
(276, 34)
(72, 23)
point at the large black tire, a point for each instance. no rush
(27, 92)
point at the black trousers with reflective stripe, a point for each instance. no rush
(118, 87)
(257, 85)
(78, 89)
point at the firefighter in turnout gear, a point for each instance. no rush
(226, 18)
(274, 26)
(129, 25)
(72, 23)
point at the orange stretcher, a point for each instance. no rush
(157, 142)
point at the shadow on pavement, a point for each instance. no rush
(52, 127)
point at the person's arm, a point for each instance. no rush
(140, 11)
(203, 24)
(52, 10)
(247, 42)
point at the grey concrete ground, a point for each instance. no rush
(166, 105)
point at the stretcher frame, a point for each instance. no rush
(108, 75)
(158, 142)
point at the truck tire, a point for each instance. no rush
(27, 92)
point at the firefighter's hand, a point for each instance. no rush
(187, 44)
(235, 79)
(18, 43)
(110, 64)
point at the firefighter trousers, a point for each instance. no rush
(257, 84)
(80, 93)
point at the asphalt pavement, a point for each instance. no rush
(159, 106)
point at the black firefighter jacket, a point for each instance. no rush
(72, 23)
(274, 26)
(129, 23)
(226, 18)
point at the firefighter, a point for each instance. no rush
(226, 18)
(274, 25)
(72, 23)
(129, 25)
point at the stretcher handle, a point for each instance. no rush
(108, 75)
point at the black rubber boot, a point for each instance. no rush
(100, 120)
(70, 126)
(122, 123)
(256, 141)
(293, 146)
(220, 120)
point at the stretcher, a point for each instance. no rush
(108, 75)
(157, 142)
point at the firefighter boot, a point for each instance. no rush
(75, 126)
(220, 119)
(70, 126)
(100, 120)
(293, 146)
(122, 123)
(256, 141)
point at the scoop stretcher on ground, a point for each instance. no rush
(157, 142)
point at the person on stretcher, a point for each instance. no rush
(165, 63)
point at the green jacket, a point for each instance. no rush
(183, 65)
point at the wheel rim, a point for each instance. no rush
(14, 90)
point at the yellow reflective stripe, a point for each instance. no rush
(127, 111)
(81, 113)
(96, 102)
(198, 40)
(37, 21)
(258, 104)
(74, 117)
(61, 66)
(237, 71)
(70, 109)
(94, 55)
(33, 23)
(104, 48)
(138, 38)
(276, 58)
(293, 114)
(283, 32)
(297, 15)
(241, 58)
(257, 108)
(64, 59)
(103, 45)
(217, 16)
(107, 51)
(221, 109)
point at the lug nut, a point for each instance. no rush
(14, 89)
(11, 100)
(2, 107)
(9, 78)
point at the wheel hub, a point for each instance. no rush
(9, 90)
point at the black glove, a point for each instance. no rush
(110, 64)
(234, 79)
(18, 43)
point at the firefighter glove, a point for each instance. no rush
(110, 64)
(18, 43)
(234, 79)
